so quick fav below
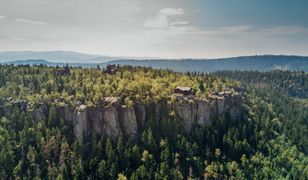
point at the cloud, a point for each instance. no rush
(68, 3)
(236, 29)
(133, 8)
(16, 38)
(179, 23)
(29, 21)
(130, 20)
(75, 28)
(2, 17)
(284, 30)
(168, 26)
(258, 32)
(163, 18)
(185, 40)
(171, 12)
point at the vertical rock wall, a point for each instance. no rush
(128, 121)
(203, 112)
(81, 122)
(186, 112)
(111, 119)
(111, 122)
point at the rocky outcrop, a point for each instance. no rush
(95, 117)
(140, 116)
(203, 112)
(128, 121)
(110, 118)
(81, 122)
(186, 111)
(194, 111)
(111, 122)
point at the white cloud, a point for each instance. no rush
(175, 23)
(133, 8)
(193, 41)
(68, 3)
(130, 20)
(16, 38)
(237, 29)
(2, 17)
(163, 18)
(75, 28)
(257, 32)
(171, 12)
(284, 30)
(30, 21)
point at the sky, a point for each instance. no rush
(156, 28)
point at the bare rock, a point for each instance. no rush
(129, 121)
(186, 111)
(203, 113)
(140, 115)
(95, 116)
(220, 105)
(111, 122)
(81, 122)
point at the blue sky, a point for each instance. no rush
(256, 12)
(160, 28)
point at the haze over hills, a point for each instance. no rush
(261, 63)
(55, 56)
(44, 62)
(60, 58)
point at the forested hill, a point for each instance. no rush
(293, 84)
(259, 63)
(45, 110)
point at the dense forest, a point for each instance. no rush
(38, 83)
(270, 141)
(294, 84)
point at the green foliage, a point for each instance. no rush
(294, 84)
(46, 84)
(268, 142)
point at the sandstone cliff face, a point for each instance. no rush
(193, 112)
(140, 116)
(203, 112)
(95, 117)
(112, 119)
(81, 122)
(186, 112)
(129, 121)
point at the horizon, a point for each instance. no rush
(175, 29)
(141, 58)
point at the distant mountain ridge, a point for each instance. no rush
(32, 62)
(54, 56)
(59, 57)
(260, 63)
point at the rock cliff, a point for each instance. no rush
(110, 118)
